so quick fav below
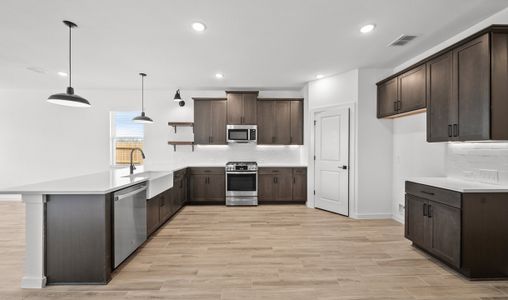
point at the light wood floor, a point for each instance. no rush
(265, 252)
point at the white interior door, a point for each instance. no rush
(332, 160)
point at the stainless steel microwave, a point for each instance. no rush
(242, 133)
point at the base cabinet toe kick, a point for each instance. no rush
(466, 231)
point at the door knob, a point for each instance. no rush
(343, 167)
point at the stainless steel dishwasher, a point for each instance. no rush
(129, 221)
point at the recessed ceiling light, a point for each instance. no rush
(319, 76)
(198, 26)
(219, 75)
(63, 74)
(367, 28)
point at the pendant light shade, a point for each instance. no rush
(143, 118)
(69, 98)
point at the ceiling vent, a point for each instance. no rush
(402, 40)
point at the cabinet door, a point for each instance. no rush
(234, 109)
(216, 188)
(250, 109)
(472, 66)
(165, 208)
(266, 187)
(296, 123)
(218, 122)
(412, 91)
(198, 187)
(387, 98)
(266, 122)
(299, 184)
(152, 214)
(445, 232)
(282, 122)
(416, 220)
(284, 185)
(439, 92)
(202, 119)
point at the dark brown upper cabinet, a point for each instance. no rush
(440, 110)
(387, 98)
(280, 122)
(209, 121)
(467, 91)
(412, 92)
(296, 137)
(464, 86)
(241, 108)
(403, 94)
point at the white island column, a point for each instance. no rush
(34, 276)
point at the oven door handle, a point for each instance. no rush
(246, 173)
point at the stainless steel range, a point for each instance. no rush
(241, 183)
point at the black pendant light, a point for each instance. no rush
(143, 119)
(69, 98)
(178, 98)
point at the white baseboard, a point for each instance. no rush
(398, 219)
(10, 198)
(375, 216)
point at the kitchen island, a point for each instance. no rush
(68, 225)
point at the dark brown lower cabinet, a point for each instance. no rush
(163, 206)
(152, 215)
(278, 185)
(467, 231)
(207, 185)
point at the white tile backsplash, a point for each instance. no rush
(481, 162)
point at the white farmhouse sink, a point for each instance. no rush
(158, 182)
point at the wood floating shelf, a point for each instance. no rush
(181, 124)
(174, 144)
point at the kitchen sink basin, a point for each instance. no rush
(158, 181)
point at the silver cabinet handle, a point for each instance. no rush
(120, 197)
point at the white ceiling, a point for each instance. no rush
(270, 44)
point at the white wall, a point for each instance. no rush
(374, 150)
(414, 157)
(371, 139)
(45, 141)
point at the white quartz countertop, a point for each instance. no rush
(460, 185)
(97, 183)
(114, 179)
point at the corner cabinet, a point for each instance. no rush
(207, 185)
(467, 231)
(209, 121)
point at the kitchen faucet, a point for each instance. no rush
(132, 167)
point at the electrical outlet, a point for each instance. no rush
(401, 208)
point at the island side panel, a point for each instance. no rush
(33, 276)
(484, 235)
(78, 239)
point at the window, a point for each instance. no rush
(125, 136)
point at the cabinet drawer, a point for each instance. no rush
(206, 170)
(299, 171)
(275, 171)
(443, 196)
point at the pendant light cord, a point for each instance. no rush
(70, 56)
(142, 93)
